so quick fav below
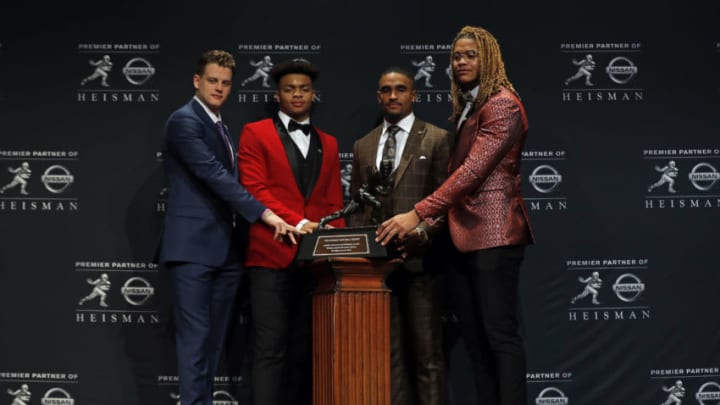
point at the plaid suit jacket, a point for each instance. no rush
(423, 167)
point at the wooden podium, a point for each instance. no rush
(351, 331)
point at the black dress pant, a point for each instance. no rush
(484, 287)
(281, 318)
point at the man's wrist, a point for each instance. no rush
(419, 217)
(268, 212)
(302, 223)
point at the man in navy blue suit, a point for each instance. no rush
(208, 213)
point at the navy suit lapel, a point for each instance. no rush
(200, 112)
(230, 144)
(221, 145)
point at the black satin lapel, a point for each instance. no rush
(317, 150)
(289, 147)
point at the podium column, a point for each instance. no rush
(351, 331)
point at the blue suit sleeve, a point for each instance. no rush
(184, 139)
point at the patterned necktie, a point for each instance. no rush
(294, 125)
(221, 128)
(388, 156)
(469, 101)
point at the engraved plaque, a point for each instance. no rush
(353, 242)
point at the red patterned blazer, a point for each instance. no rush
(482, 194)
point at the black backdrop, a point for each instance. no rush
(94, 197)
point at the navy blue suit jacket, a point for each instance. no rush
(203, 191)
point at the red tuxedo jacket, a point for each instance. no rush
(266, 173)
(482, 193)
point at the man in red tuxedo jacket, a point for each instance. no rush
(293, 168)
(486, 215)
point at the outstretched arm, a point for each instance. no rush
(184, 139)
(498, 133)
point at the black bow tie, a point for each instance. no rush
(294, 125)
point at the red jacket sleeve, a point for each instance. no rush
(498, 131)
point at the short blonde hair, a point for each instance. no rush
(221, 58)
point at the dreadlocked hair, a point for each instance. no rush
(491, 68)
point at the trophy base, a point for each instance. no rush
(345, 242)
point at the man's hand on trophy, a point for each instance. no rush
(399, 226)
(310, 227)
(413, 243)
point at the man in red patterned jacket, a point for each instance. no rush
(486, 215)
(293, 168)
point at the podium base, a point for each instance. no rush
(351, 331)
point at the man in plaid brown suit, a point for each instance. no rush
(410, 157)
(486, 216)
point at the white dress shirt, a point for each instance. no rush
(301, 140)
